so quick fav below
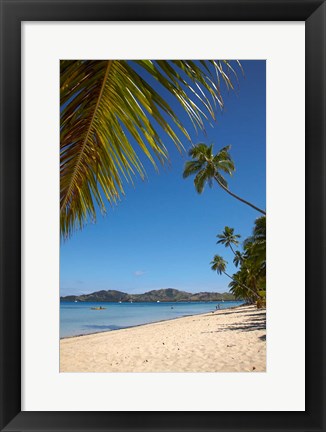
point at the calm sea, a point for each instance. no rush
(79, 318)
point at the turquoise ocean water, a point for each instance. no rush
(79, 318)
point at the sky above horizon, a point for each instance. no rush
(162, 234)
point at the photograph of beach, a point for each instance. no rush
(162, 216)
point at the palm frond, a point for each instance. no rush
(221, 179)
(218, 264)
(238, 258)
(201, 178)
(200, 151)
(223, 160)
(226, 166)
(108, 109)
(192, 167)
(260, 228)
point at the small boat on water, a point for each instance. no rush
(98, 308)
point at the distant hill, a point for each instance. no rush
(162, 295)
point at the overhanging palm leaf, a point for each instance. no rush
(106, 103)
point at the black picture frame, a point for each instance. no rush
(13, 12)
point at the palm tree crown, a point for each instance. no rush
(209, 167)
(228, 238)
(218, 264)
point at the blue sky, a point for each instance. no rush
(163, 233)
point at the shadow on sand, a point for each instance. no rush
(252, 321)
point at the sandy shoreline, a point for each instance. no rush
(229, 340)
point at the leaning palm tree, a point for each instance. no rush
(209, 167)
(219, 265)
(228, 238)
(114, 111)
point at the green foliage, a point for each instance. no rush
(238, 258)
(218, 264)
(249, 282)
(162, 295)
(208, 167)
(252, 272)
(106, 102)
(228, 238)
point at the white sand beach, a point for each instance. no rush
(229, 340)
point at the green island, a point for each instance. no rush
(162, 295)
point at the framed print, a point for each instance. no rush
(123, 325)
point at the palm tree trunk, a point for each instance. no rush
(240, 199)
(244, 286)
(232, 248)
